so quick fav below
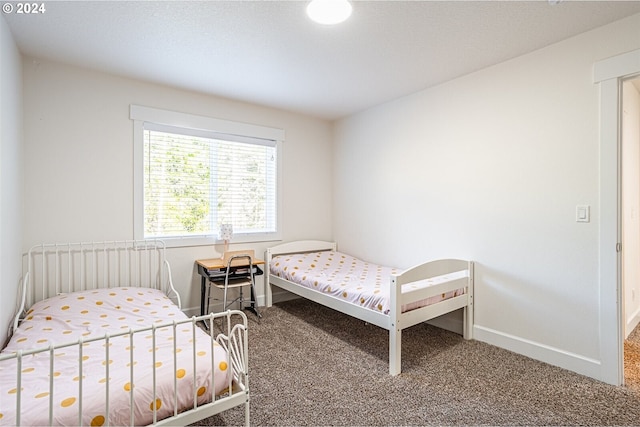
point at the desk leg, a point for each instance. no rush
(203, 292)
(253, 306)
(253, 297)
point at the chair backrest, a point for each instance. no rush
(230, 254)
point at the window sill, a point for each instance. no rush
(181, 242)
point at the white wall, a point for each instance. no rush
(10, 176)
(490, 167)
(78, 143)
(631, 204)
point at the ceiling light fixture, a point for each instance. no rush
(329, 12)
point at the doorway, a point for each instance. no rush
(608, 75)
(630, 219)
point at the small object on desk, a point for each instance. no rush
(225, 234)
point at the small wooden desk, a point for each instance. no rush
(214, 269)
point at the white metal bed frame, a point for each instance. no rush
(396, 320)
(53, 269)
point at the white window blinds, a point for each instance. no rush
(194, 183)
(191, 180)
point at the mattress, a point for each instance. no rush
(351, 279)
(91, 314)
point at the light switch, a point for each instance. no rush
(582, 213)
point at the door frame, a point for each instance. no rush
(609, 74)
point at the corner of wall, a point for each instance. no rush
(11, 176)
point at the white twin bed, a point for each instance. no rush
(100, 339)
(390, 298)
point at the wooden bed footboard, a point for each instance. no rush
(453, 274)
(449, 274)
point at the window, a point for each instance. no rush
(204, 172)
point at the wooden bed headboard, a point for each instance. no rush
(295, 247)
(301, 247)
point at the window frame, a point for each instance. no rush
(140, 115)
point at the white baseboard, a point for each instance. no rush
(541, 352)
(281, 296)
(632, 323)
(191, 311)
(451, 322)
(216, 307)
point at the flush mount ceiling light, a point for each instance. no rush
(329, 12)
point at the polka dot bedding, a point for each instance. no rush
(351, 279)
(92, 314)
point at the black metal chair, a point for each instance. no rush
(238, 274)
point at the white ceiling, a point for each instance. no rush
(270, 53)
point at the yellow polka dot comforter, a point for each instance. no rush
(350, 279)
(91, 314)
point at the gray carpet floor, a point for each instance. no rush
(632, 360)
(310, 365)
